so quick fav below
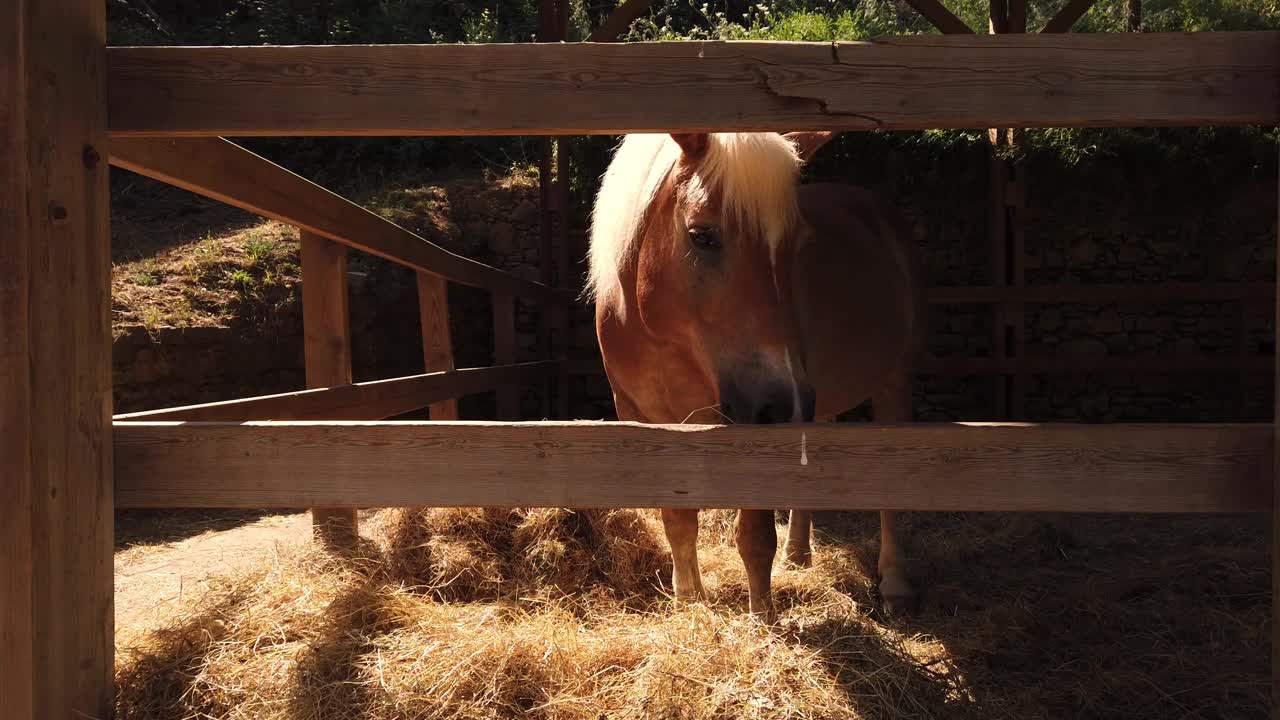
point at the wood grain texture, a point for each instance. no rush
(326, 342)
(1066, 468)
(228, 173)
(326, 316)
(504, 352)
(17, 572)
(373, 400)
(1067, 16)
(1154, 293)
(437, 342)
(56, 634)
(940, 17)
(898, 83)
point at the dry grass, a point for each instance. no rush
(563, 615)
(183, 261)
(242, 277)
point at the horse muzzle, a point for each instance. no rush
(771, 403)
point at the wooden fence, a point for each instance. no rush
(70, 105)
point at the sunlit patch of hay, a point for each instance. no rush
(238, 654)
(557, 621)
(547, 662)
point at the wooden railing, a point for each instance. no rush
(899, 83)
(952, 467)
(328, 225)
(65, 99)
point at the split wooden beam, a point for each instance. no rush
(228, 173)
(897, 83)
(56, 623)
(840, 466)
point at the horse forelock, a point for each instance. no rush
(755, 174)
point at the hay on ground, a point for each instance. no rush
(562, 615)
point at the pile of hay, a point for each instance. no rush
(484, 613)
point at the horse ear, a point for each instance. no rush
(808, 143)
(693, 144)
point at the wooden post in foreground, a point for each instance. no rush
(326, 324)
(55, 363)
(504, 352)
(437, 344)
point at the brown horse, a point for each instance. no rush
(726, 291)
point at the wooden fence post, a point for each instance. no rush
(437, 343)
(326, 322)
(55, 363)
(1275, 513)
(553, 184)
(1008, 191)
(504, 352)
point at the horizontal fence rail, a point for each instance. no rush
(1098, 365)
(226, 172)
(955, 467)
(1064, 294)
(896, 83)
(1056, 365)
(374, 400)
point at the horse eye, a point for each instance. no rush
(704, 238)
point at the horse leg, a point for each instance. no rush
(682, 534)
(893, 406)
(757, 539)
(895, 591)
(798, 550)
(681, 527)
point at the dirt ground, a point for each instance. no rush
(164, 557)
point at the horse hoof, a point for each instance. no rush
(690, 597)
(898, 605)
(896, 596)
(799, 558)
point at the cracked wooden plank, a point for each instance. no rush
(906, 83)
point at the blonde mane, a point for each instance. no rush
(756, 174)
